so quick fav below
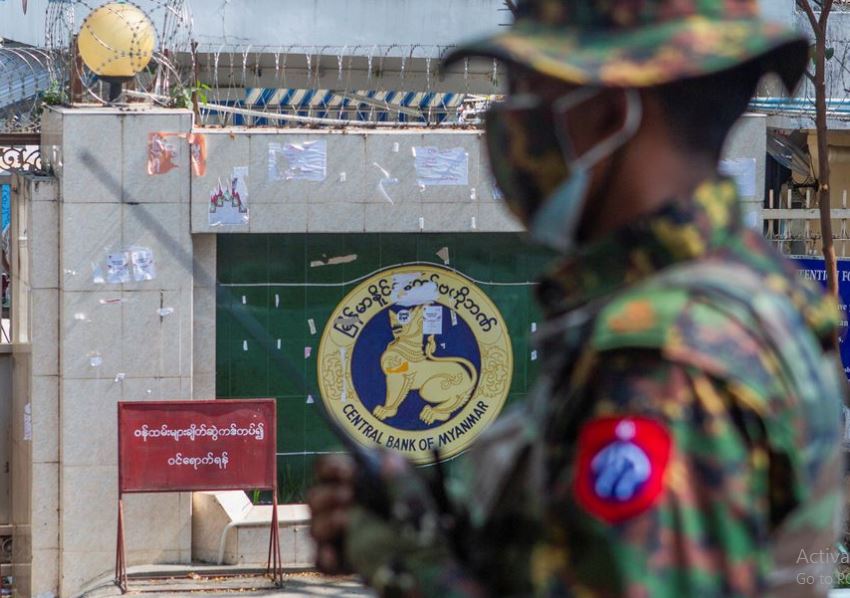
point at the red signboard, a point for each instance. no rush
(188, 446)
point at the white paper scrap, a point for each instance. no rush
(433, 323)
(312, 325)
(310, 400)
(308, 351)
(276, 300)
(534, 356)
(534, 326)
(278, 344)
(454, 317)
(28, 421)
(305, 161)
(244, 345)
(743, 170)
(436, 167)
(165, 311)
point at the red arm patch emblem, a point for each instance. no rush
(621, 466)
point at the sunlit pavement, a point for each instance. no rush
(173, 581)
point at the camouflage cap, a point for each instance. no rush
(641, 43)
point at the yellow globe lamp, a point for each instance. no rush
(116, 41)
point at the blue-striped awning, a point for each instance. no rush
(359, 105)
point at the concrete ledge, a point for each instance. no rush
(228, 530)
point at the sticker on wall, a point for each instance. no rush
(305, 161)
(162, 153)
(393, 374)
(436, 167)
(229, 200)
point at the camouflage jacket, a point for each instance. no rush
(684, 439)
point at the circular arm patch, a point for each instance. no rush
(621, 462)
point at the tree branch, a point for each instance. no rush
(824, 14)
(511, 5)
(810, 13)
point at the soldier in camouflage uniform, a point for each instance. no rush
(684, 438)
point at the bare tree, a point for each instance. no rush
(818, 23)
(511, 6)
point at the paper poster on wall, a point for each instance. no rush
(743, 171)
(305, 161)
(229, 200)
(144, 266)
(118, 267)
(125, 265)
(436, 167)
(432, 320)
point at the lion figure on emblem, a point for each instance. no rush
(446, 383)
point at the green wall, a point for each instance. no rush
(268, 290)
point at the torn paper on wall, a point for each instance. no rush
(198, 151)
(334, 261)
(229, 200)
(406, 294)
(386, 179)
(305, 161)
(436, 167)
(162, 153)
(743, 170)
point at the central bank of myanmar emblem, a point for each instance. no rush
(415, 358)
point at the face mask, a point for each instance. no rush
(535, 166)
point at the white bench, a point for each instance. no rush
(228, 530)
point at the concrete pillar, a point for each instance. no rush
(130, 341)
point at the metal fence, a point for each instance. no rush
(793, 225)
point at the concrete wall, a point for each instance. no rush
(371, 185)
(35, 447)
(5, 433)
(114, 342)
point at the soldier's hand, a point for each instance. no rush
(330, 501)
